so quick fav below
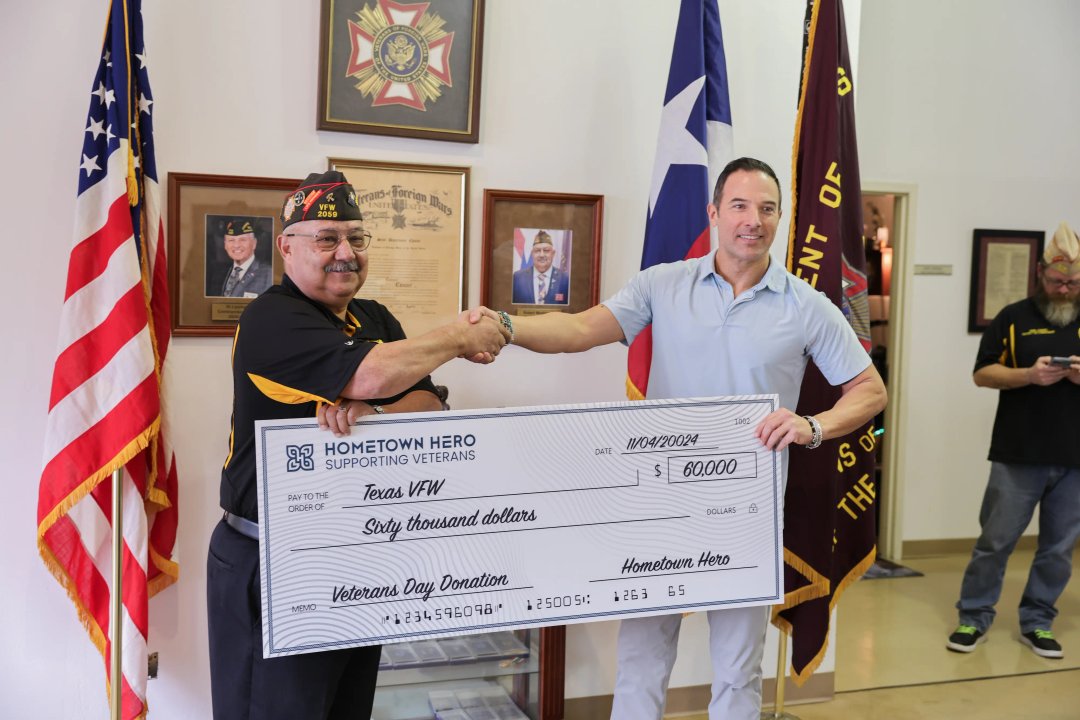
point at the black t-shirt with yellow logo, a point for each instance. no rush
(289, 354)
(1035, 425)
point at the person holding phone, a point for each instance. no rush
(1031, 354)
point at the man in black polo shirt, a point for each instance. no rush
(308, 348)
(1031, 353)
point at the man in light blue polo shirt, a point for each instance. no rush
(731, 323)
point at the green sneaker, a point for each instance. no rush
(1042, 643)
(965, 638)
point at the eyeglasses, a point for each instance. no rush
(328, 241)
(1057, 284)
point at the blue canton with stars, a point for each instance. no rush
(121, 83)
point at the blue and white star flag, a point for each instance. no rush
(694, 145)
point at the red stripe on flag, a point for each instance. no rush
(66, 545)
(638, 365)
(134, 590)
(639, 358)
(160, 312)
(134, 577)
(161, 568)
(85, 357)
(90, 257)
(98, 446)
(700, 246)
(519, 248)
(102, 495)
(131, 704)
(138, 470)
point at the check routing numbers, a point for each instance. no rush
(447, 523)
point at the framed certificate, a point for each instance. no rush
(1002, 272)
(418, 219)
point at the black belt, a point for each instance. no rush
(242, 525)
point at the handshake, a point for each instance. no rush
(483, 332)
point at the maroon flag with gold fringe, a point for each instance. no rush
(829, 534)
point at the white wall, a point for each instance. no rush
(975, 102)
(235, 94)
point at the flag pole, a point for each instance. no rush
(781, 680)
(115, 601)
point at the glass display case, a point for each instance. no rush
(498, 675)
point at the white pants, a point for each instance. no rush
(647, 648)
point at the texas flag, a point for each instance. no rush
(694, 145)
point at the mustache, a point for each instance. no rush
(342, 266)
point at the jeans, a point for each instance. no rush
(647, 653)
(1012, 494)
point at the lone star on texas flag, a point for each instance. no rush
(677, 145)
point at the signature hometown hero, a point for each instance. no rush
(308, 347)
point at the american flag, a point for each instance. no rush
(106, 408)
(694, 145)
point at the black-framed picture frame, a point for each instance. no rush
(558, 233)
(214, 223)
(1003, 266)
(403, 69)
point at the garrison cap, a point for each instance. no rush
(1062, 253)
(322, 196)
(239, 226)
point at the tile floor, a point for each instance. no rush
(891, 661)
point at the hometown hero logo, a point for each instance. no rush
(299, 457)
(400, 54)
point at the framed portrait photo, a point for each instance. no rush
(221, 231)
(405, 69)
(541, 251)
(1002, 272)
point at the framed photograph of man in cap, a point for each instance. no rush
(221, 231)
(411, 70)
(541, 251)
(239, 255)
(1002, 271)
(541, 266)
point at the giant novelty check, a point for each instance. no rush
(434, 524)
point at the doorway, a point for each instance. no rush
(887, 213)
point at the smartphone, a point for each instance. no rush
(1061, 361)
